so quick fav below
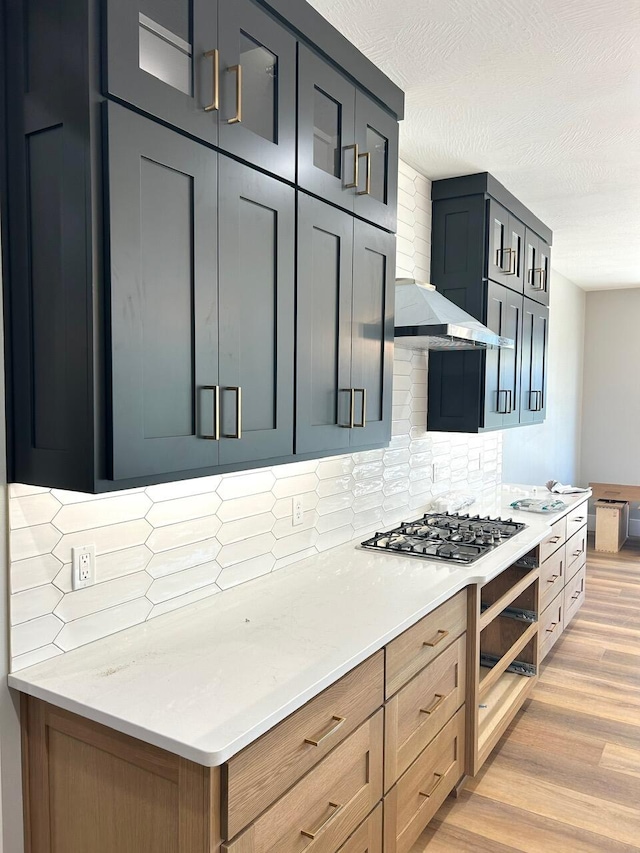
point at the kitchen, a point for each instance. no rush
(165, 546)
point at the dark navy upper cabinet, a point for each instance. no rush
(224, 72)
(201, 331)
(346, 272)
(505, 255)
(347, 143)
(162, 57)
(535, 340)
(162, 253)
(257, 108)
(537, 268)
(489, 255)
(176, 305)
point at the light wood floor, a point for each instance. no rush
(566, 776)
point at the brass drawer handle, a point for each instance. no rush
(510, 270)
(367, 189)
(312, 834)
(316, 742)
(356, 167)
(439, 778)
(440, 697)
(237, 119)
(215, 103)
(437, 640)
(553, 578)
(553, 627)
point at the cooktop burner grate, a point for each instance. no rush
(453, 538)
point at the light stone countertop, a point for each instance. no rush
(205, 681)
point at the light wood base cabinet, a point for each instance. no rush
(89, 789)
(418, 795)
(313, 784)
(562, 576)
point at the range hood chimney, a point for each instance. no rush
(426, 320)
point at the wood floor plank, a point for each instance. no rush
(566, 775)
(621, 758)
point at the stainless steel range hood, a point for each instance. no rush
(426, 320)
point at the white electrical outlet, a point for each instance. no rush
(298, 511)
(83, 566)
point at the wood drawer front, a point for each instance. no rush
(574, 593)
(577, 518)
(576, 549)
(319, 813)
(417, 647)
(551, 625)
(554, 540)
(415, 715)
(553, 577)
(410, 805)
(368, 837)
(252, 784)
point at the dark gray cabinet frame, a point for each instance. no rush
(486, 390)
(62, 435)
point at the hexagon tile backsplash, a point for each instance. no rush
(165, 546)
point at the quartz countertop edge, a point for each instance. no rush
(205, 681)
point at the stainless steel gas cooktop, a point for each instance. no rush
(450, 537)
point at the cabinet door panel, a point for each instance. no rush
(537, 268)
(372, 332)
(516, 260)
(325, 283)
(257, 227)
(156, 60)
(162, 199)
(510, 358)
(326, 131)
(499, 258)
(534, 362)
(376, 196)
(495, 396)
(263, 53)
(502, 390)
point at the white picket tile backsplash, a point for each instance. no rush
(166, 546)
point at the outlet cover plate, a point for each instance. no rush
(83, 566)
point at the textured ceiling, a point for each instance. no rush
(544, 94)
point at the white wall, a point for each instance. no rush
(611, 426)
(551, 450)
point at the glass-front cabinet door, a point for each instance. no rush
(162, 57)
(537, 268)
(376, 191)
(257, 88)
(328, 162)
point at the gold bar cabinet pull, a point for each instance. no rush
(238, 392)
(339, 721)
(437, 639)
(215, 103)
(216, 412)
(440, 697)
(439, 778)
(237, 119)
(356, 167)
(367, 189)
(312, 834)
(363, 421)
